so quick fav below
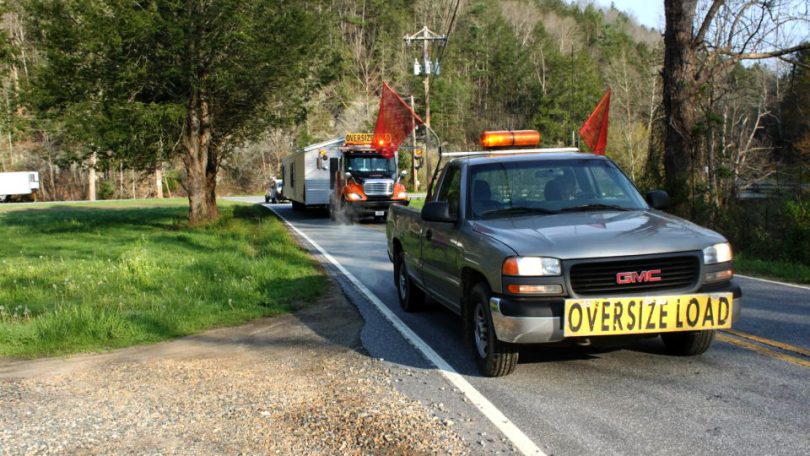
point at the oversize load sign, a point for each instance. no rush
(358, 138)
(362, 139)
(612, 316)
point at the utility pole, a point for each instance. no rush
(426, 68)
(413, 156)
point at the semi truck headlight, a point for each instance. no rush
(531, 266)
(717, 253)
(354, 196)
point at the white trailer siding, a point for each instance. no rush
(18, 183)
(306, 175)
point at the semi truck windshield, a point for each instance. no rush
(370, 164)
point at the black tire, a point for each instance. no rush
(266, 200)
(411, 297)
(495, 358)
(689, 343)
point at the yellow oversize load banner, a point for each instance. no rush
(640, 315)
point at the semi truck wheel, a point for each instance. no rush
(688, 343)
(494, 357)
(411, 297)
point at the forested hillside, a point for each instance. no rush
(508, 64)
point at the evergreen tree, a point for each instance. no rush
(205, 75)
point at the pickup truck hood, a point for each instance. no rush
(597, 234)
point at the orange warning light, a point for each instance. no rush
(510, 138)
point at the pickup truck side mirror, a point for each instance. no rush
(437, 211)
(658, 199)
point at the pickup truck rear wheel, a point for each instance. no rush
(688, 343)
(495, 358)
(411, 297)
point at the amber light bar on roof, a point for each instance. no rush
(510, 138)
(477, 153)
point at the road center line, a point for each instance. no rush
(763, 350)
(769, 342)
(520, 440)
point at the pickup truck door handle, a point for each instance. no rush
(429, 234)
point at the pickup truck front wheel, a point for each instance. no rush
(494, 357)
(411, 298)
(688, 343)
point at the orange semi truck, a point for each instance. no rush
(363, 183)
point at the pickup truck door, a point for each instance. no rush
(440, 252)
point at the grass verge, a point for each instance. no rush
(776, 270)
(87, 277)
(417, 203)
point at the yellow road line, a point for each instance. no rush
(763, 350)
(772, 343)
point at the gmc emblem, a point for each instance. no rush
(652, 275)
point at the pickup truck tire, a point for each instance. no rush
(688, 343)
(494, 357)
(411, 297)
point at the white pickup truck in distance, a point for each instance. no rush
(533, 248)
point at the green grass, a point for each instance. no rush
(96, 276)
(417, 203)
(777, 270)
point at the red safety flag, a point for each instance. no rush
(594, 131)
(395, 121)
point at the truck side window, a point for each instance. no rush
(451, 189)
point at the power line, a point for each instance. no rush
(449, 29)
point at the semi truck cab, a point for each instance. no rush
(363, 182)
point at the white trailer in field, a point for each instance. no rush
(306, 174)
(18, 184)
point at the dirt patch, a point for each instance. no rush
(297, 384)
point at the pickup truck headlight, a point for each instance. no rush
(717, 253)
(531, 266)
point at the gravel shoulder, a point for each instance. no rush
(296, 384)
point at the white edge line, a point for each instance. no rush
(786, 284)
(504, 424)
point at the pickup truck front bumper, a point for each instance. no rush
(526, 321)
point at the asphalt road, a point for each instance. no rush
(750, 393)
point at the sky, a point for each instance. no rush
(646, 12)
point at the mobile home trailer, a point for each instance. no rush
(18, 184)
(306, 174)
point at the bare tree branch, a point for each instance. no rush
(707, 21)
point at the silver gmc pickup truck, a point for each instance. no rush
(533, 248)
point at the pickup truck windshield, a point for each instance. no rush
(550, 186)
(363, 164)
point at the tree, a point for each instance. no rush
(698, 48)
(204, 75)
(796, 112)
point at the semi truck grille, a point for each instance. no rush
(635, 276)
(378, 188)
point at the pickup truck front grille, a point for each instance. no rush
(378, 188)
(603, 277)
